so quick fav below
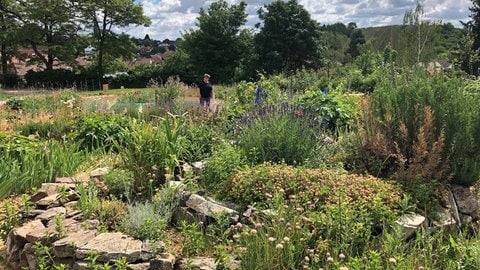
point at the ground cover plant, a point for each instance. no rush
(328, 173)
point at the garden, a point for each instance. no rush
(328, 173)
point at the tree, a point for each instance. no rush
(356, 38)
(288, 37)
(471, 54)
(47, 26)
(102, 17)
(216, 47)
(8, 44)
(418, 31)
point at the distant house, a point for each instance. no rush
(438, 66)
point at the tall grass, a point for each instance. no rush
(27, 165)
(279, 134)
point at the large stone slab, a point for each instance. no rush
(66, 247)
(165, 261)
(17, 238)
(210, 208)
(50, 213)
(113, 246)
(466, 200)
(410, 224)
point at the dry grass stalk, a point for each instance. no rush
(418, 158)
(426, 161)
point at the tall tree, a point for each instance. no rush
(217, 46)
(48, 27)
(288, 37)
(8, 44)
(102, 17)
(470, 61)
(418, 35)
(356, 39)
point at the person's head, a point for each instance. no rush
(206, 77)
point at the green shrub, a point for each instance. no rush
(332, 109)
(224, 162)
(152, 152)
(279, 134)
(318, 186)
(99, 130)
(27, 163)
(119, 183)
(58, 129)
(143, 222)
(199, 142)
(400, 111)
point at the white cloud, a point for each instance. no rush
(172, 17)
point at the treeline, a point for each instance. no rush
(285, 40)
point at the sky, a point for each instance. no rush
(171, 18)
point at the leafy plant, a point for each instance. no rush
(224, 162)
(119, 183)
(144, 222)
(279, 134)
(193, 239)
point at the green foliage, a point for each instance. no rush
(110, 213)
(59, 128)
(152, 152)
(279, 134)
(333, 109)
(144, 222)
(99, 130)
(287, 40)
(168, 92)
(199, 142)
(27, 162)
(225, 161)
(119, 183)
(216, 46)
(455, 114)
(193, 239)
(165, 201)
(9, 218)
(317, 186)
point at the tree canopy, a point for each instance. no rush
(288, 37)
(218, 45)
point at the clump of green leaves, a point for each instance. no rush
(279, 134)
(144, 222)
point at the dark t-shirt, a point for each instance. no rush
(205, 89)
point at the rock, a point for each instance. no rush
(113, 246)
(186, 214)
(49, 201)
(209, 208)
(65, 180)
(466, 199)
(67, 246)
(410, 223)
(205, 263)
(187, 167)
(40, 235)
(198, 167)
(27, 257)
(139, 266)
(444, 219)
(81, 265)
(164, 261)
(99, 172)
(17, 238)
(50, 213)
(71, 209)
(48, 189)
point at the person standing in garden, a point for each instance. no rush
(206, 92)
